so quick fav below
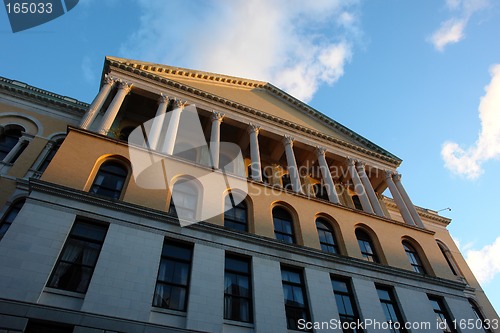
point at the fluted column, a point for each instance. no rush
(155, 132)
(360, 166)
(358, 186)
(327, 176)
(398, 199)
(255, 167)
(292, 164)
(97, 103)
(216, 118)
(110, 115)
(173, 127)
(407, 201)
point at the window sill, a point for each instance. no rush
(238, 323)
(63, 292)
(169, 311)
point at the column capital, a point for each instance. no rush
(320, 151)
(178, 104)
(217, 116)
(109, 79)
(123, 85)
(163, 99)
(396, 176)
(253, 128)
(389, 174)
(360, 164)
(351, 161)
(288, 140)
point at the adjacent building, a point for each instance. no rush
(187, 201)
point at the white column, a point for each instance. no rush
(360, 166)
(155, 132)
(173, 127)
(22, 141)
(398, 199)
(43, 155)
(358, 186)
(97, 103)
(292, 164)
(110, 115)
(253, 131)
(407, 201)
(327, 176)
(216, 118)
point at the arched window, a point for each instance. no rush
(327, 238)
(449, 259)
(414, 258)
(9, 216)
(46, 161)
(235, 215)
(8, 140)
(283, 225)
(184, 199)
(366, 246)
(110, 180)
(479, 315)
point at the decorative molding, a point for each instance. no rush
(253, 128)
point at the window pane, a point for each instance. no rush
(237, 289)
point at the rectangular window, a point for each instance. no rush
(391, 310)
(237, 289)
(77, 261)
(442, 315)
(295, 297)
(346, 304)
(173, 276)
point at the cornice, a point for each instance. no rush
(139, 71)
(23, 90)
(117, 205)
(425, 213)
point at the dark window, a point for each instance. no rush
(173, 276)
(47, 327)
(414, 258)
(184, 199)
(447, 256)
(9, 139)
(442, 315)
(286, 181)
(9, 216)
(110, 180)
(357, 202)
(390, 308)
(295, 297)
(479, 316)
(366, 246)
(77, 261)
(346, 304)
(320, 191)
(235, 215)
(50, 156)
(283, 225)
(237, 289)
(326, 236)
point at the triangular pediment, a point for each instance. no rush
(255, 95)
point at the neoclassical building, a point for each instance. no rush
(187, 201)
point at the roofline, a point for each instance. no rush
(23, 89)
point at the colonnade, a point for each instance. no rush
(361, 182)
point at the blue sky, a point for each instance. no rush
(416, 77)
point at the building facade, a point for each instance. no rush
(262, 215)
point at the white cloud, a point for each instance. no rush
(451, 31)
(485, 263)
(467, 162)
(294, 44)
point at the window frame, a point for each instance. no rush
(282, 234)
(414, 257)
(302, 287)
(172, 258)
(172, 209)
(8, 132)
(233, 221)
(394, 305)
(248, 275)
(121, 191)
(327, 228)
(72, 237)
(442, 312)
(7, 219)
(355, 317)
(363, 237)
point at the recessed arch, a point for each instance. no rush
(31, 125)
(452, 264)
(416, 256)
(188, 192)
(110, 176)
(238, 210)
(286, 223)
(333, 227)
(370, 247)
